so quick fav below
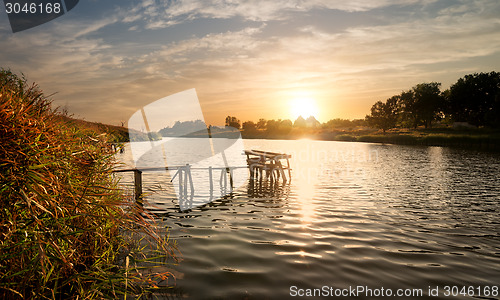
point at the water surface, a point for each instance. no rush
(354, 214)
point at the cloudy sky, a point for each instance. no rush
(106, 59)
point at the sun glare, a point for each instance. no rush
(304, 107)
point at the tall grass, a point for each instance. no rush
(65, 229)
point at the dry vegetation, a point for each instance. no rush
(65, 229)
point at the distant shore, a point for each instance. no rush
(483, 139)
(472, 138)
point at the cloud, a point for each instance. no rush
(364, 61)
(162, 14)
(100, 73)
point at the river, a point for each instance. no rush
(356, 217)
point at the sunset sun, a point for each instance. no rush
(304, 107)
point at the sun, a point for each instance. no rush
(303, 106)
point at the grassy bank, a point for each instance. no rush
(484, 139)
(477, 140)
(113, 133)
(65, 229)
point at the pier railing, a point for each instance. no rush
(184, 177)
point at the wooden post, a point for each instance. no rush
(225, 180)
(231, 180)
(211, 181)
(227, 170)
(181, 191)
(191, 184)
(138, 186)
(288, 166)
(230, 173)
(185, 181)
(280, 168)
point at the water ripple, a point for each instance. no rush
(410, 217)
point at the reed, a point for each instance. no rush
(66, 230)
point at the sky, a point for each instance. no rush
(106, 59)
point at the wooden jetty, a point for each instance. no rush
(258, 162)
(269, 162)
(183, 173)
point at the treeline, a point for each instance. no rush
(285, 126)
(473, 100)
(183, 128)
(263, 128)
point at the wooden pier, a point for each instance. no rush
(259, 163)
(185, 179)
(268, 162)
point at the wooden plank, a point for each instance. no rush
(210, 179)
(284, 155)
(172, 168)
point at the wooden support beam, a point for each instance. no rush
(138, 186)
(190, 177)
(210, 178)
(185, 181)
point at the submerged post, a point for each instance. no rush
(190, 177)
(210, 180)
(186, 170)
(138, 186)
(225, 179)
(181, 189)
(231, 180)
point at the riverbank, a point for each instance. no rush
(482, 138)
(444, 136)
(113, 133)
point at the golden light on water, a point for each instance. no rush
(305, 195)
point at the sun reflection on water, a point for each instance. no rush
(305, 190)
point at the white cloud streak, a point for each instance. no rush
(162, 14)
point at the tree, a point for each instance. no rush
(272, 126)
(279, 126)
(408, 116)
(421, 105)
(262, 124)
(428, 102)
(183, 128)
(475, 99)
(249, 126)
(337, 123)
(384, 115)
(285, 126)
(233, 122)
